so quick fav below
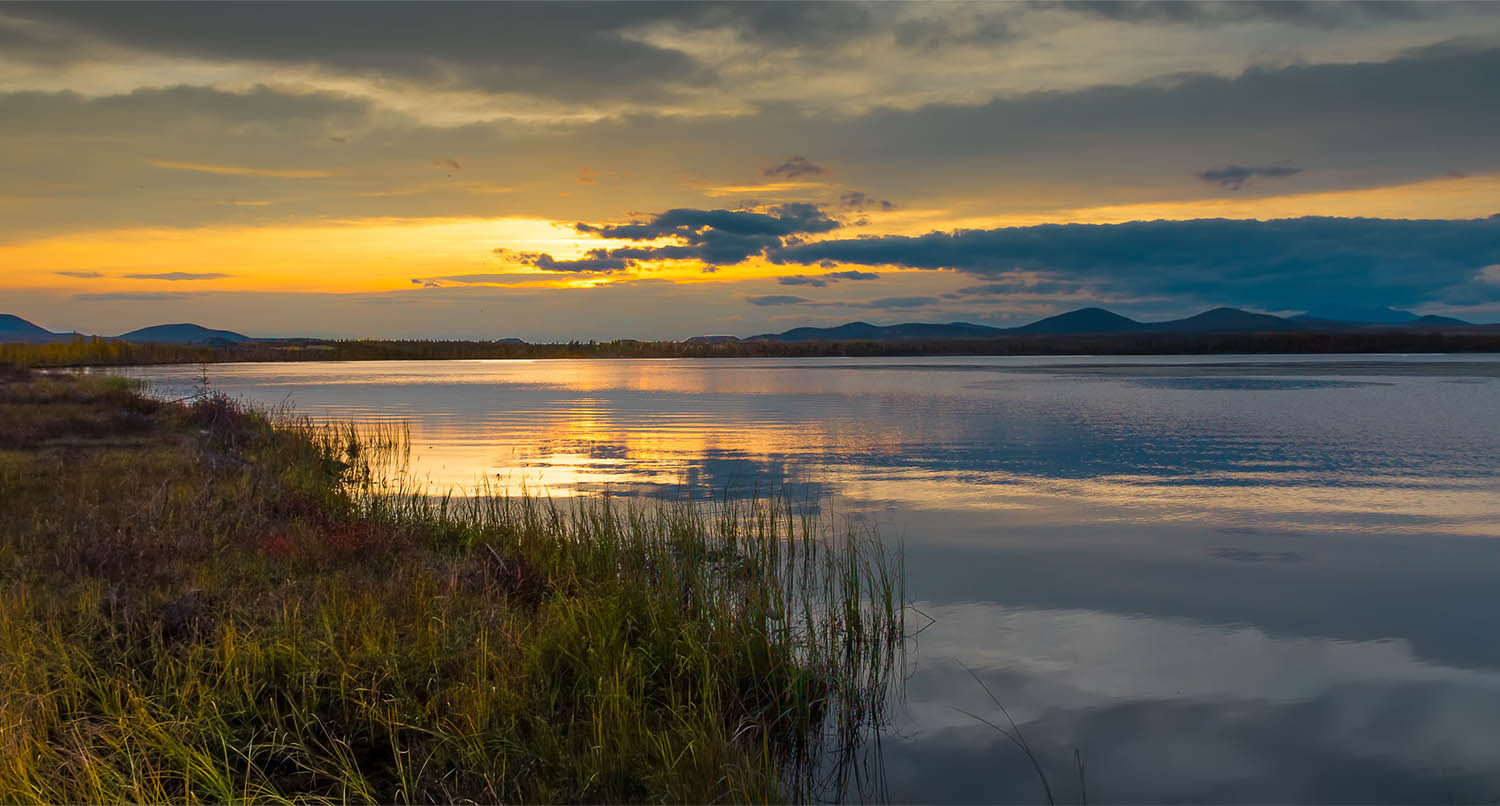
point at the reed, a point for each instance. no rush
(217, 604)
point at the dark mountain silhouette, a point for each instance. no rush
(864, 331)
(1223, 320)
(1083, 320)
(1433, 320)
(14, 328)
(1095, 321)
(182, 334)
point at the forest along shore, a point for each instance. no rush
(111, 352)
(205, 602)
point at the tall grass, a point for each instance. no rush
(222, 606)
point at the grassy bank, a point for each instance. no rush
(202, 604)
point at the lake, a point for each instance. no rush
(1218, 578)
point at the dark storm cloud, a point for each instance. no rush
(712, 236)
(694, 224)
(582, 50)
(881, 304)
(561, 49)
(822, 281)
(595, 261)
(855, 200)
(793, 168)
(175, 276)
(776, 299)
(1286, 263)
(1307, 13)
(1235, 177)
(803, 279)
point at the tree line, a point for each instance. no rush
(108, 352)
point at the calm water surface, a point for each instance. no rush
(1218, 578)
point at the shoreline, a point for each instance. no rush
(101, 352)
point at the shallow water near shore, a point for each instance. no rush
(1219, 578)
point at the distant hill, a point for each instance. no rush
(864, 331)
(1432, 320)
(1083, 320)
(1223, 320)
(183, 334)
(1095, 321)
(14, 328)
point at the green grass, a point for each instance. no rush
(203, 603)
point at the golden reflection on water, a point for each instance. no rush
(1281, 446)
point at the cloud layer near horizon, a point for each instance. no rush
(1281, 264)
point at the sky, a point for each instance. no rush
(663, 170)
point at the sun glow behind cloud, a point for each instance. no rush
(389, 254)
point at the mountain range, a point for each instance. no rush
(14, 328)
(1099, 320)
(1081, 321)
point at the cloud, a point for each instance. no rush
(892, 303)
(174, 276)
(577, 51)
(129, 296)
(1235, 177)
(1361, 125)
(793, 168)
(1326, 14)
(823, 280)
(499, 279)
(241, 170)
(81, 275)
(595, 261)
(1018, 285)
(712, 236)
(253, 113)
(1277, 264)
(803, 279)
(855, 200)
(776, 299)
